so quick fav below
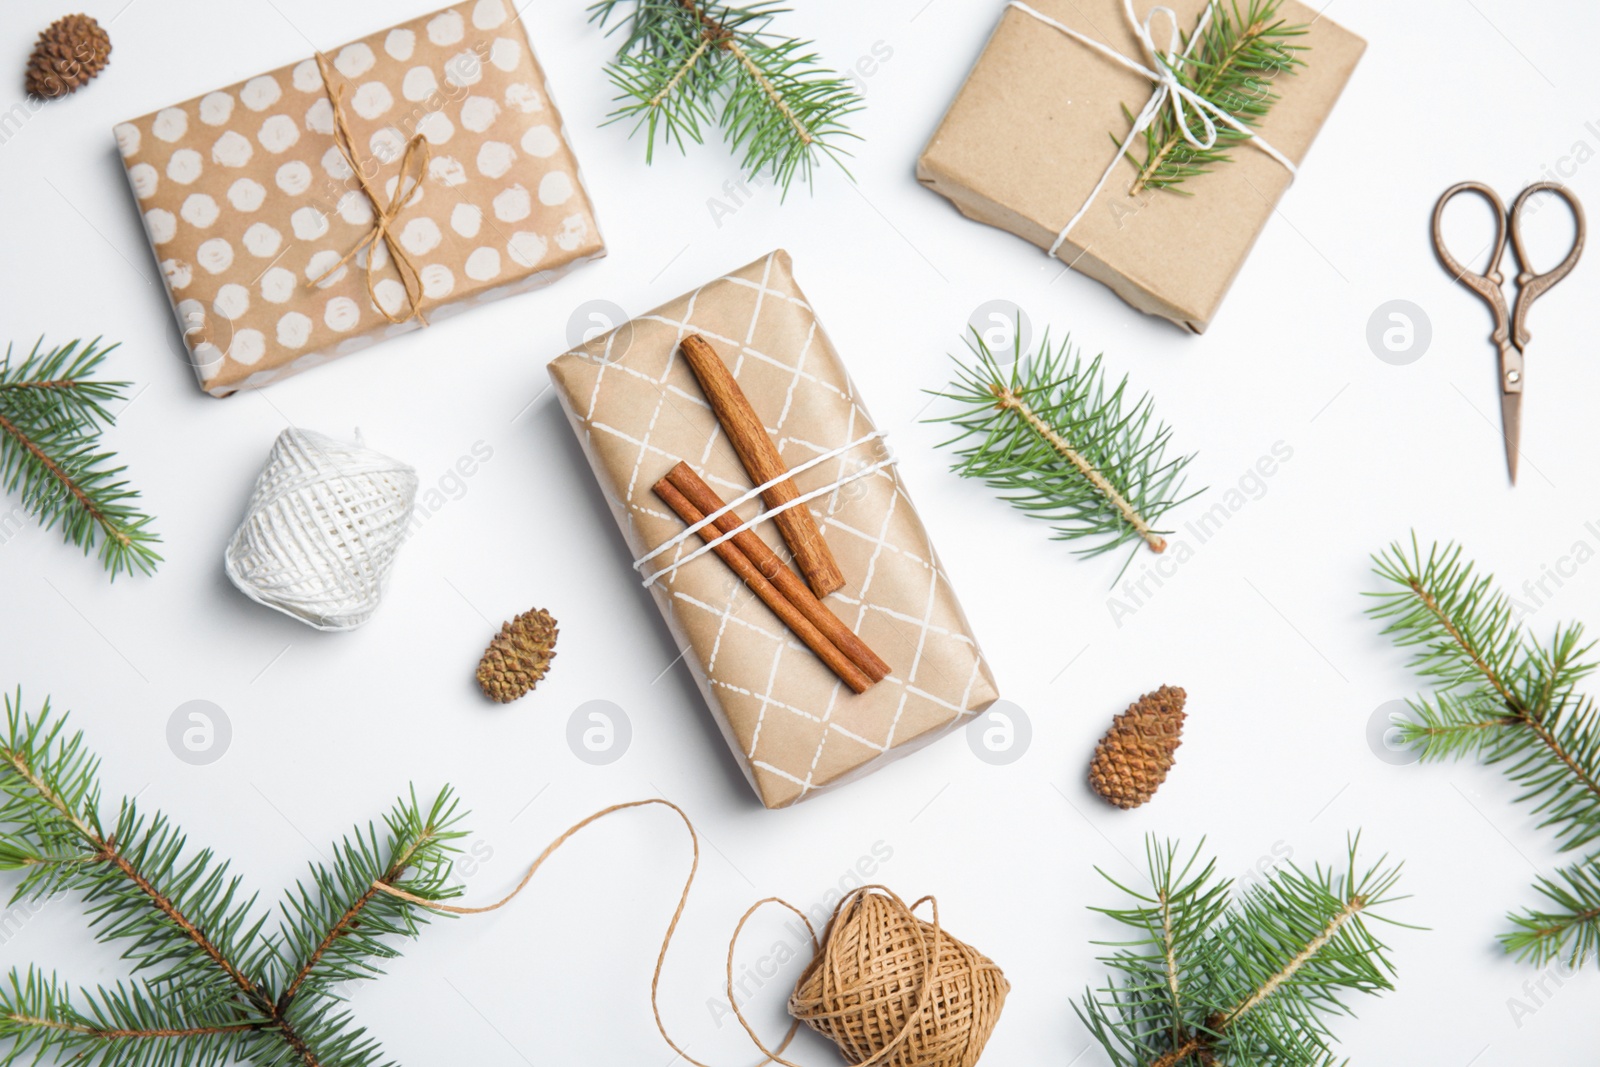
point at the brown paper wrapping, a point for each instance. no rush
(245, 196)
(637, 409)
(1030, 133)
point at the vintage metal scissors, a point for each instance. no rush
(1510, 326)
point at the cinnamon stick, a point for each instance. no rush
(705, 500)
(762, 462)
(791, 616)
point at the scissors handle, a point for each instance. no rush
(1530, 286)
(1487, 284)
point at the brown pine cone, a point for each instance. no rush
(73, 50)
(518, 657)
(1132, 759)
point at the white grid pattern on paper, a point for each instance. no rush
(637, 501)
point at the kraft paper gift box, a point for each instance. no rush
(248, 200)
(1039, 118)
(638, 410)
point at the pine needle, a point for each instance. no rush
(52, 412)
(1505, 697)
(684, 65)
(1212, 975)
(1232, 65)
(1063, 444)
(209, 986)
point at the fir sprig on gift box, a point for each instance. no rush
(1210, 975)
(687, 64)
(52, 412)
(1508, 698)
(1064, 444)
(1232, 65)
(208, 987)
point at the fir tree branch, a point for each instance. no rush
(1232, 66)
(220, 993)
(1214, 978)
(682, 61)
(51, 416)
(1064, 444)
(1505, 697)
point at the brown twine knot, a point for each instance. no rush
(413, 166)
(887, 988)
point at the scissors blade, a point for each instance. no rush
(1511, 424)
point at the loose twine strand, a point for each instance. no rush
(413, 166)
(856, 983)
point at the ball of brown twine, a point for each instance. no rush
(894, 990)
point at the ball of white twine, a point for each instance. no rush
(324, 524)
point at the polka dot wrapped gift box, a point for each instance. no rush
(362, 193)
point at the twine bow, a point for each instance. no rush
(1169, 92)
(413, 165)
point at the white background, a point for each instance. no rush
(1263, 626)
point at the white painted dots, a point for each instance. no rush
(483, 264)
(320, 264)
(199, 210)
(308, 223)
(307, 77)
(506, 54)
(170, 124)
(248, 347)
(447, 170)
(127, 139)
(144, 179)
(446, 28)
(342, 314)
(246, 194)
(354, 60)
(513, 205)
(526, 248)
(179, 274)
(555, 188)
(463, 69)
(437, 281)
(161, 225)
(214, 256)
(472, 78)
(216, 109)
(260, 93)
(262, 241)
(436, 127)
(524, 97)
(319, 116)
(294, 330)
(420, 236)
(356, 209)
(392, 296)
(278, 285)
(487, 14)
(232, 301)
(400, 44)
(541, 142)
(294, 178)
(232, 149)
(479, 113)
(419, 83)
(466, 219)
(184, 166)
(372, 100)
(495, 159)
(279, 134)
